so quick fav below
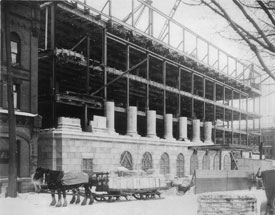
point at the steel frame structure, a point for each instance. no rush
(147, 81)
(245, 74)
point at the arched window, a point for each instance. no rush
(206, 161)
(226, 162)
(126, 160)
(194, 162)
(180, 165)
(164, 164)
(216, 163)
(147, 161)
(15, 48)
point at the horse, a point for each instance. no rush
(62, 182)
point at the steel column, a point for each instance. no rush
(147, 84)
(85, 116)
(127, 76)
(53, 62)
(104, 61)
(164, 84)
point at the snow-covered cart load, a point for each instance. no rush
(124, 182)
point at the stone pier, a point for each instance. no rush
(183, 129)
(168, 126)
(132, 121)
(196, 138)
(151, 124)
(110, 116)
(208, 133)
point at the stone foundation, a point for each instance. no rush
(227, 204)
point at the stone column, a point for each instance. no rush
(208, 132)
(183, 129)
(196, 131)
(168, 126)
(110, 116)
(151, 124)
(132, 121)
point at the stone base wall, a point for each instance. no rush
(65, 148)
(226, 204)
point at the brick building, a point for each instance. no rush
(24, 31)
(268, 139)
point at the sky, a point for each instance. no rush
(202, 21)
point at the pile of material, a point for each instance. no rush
(125, 179)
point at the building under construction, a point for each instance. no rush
(115, 92)
(111, 75)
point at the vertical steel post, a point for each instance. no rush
(110, 8)
(147, 84)
(46, 27)
(85, 120)
(164, 84)
(168, 32)
(104, 61)
(133, 16)
(183, 40)
(179, 96)
(12, 183)
(127, 77)
(53, 62)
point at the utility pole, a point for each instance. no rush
(12, 185)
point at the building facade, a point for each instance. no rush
(24, 30)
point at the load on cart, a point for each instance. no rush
(126, 183)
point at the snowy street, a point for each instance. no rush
(171, 203)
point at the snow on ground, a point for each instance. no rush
(170, 204)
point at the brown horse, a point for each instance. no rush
(56, 181)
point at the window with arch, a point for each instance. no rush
(180, 165)
(206, 161)
(147, 162)
(226, 162)
(194, 162)
(164, 164)
(216, 163)
(15, 48)
(126, 160)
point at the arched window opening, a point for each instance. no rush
(164, 164)
(180, 165)
(147, 161)
(126, 160)
(15, 48)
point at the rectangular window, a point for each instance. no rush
(87, 166)
(16, 95)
